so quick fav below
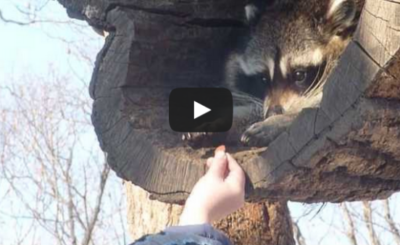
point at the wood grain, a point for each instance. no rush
(345, 148)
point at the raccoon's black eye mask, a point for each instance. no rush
(300, 79)
(304, 79)
(255, 85)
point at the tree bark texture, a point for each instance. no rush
(346, 148)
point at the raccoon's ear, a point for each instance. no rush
(252, 13)
(340, 17)
(255, 8)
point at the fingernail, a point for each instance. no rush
(220, 148)
(220, 152)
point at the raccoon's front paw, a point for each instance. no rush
(202, 136)
(206, 136)
(203, 139)
(257, 135)
(195, 137)
(261, 134)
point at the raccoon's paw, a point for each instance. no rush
(258, 135)
(197, 139)
(194, 136)
(203, 133)
(206, 136)
(261, 134)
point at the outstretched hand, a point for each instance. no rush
(218, 193)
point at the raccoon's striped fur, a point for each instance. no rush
(291, 47)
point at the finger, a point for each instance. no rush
(209, 162)
(236, 174)
(220, 148)
(218, 165)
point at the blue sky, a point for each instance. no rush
(40, 54)
(36, 47)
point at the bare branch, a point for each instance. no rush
(20, 23)
(367, 211)
(351, 231)
(389, 219)
(103, 181)
(71, 205)
(31, 21)
(300, 240)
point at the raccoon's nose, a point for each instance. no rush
(274, 110)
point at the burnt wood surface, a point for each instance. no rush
(347, 148)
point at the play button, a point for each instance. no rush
(200, 110)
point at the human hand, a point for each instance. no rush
(218, 193)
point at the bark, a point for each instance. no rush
(259, 224)
(346, 148)
(146, 216)
(256, 224)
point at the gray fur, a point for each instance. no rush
(291, 37)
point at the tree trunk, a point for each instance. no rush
(255, 224)
(146, 216)
(259, 224)
(345, 148)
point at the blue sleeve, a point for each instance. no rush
(204, 230)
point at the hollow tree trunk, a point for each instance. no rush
(153, 47)
(255, 224)
(345, 148)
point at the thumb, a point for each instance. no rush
(219, 164)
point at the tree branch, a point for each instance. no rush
(103, 181)
(20, 23)
(390, 221)
(351, 232)
(369, 223)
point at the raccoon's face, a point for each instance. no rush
(288, 49)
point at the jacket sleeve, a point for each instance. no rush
(203, 230)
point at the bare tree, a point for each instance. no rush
(55, 184)
(55, 187)
(58, 177)
(30, 13)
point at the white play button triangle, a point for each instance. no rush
(200, 110)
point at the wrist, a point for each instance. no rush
(194, 217)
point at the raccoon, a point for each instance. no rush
(291, 47)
